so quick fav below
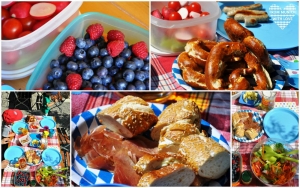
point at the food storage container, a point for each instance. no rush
(25, 140)
(77, 28)
(171, 36)
(20, 56)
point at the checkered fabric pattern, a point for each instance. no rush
(86, 121)
(8, 175)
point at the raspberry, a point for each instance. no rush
(95, 31)
(114, 48)
(74, 81)
(68, 46)
(140, 49)
(115, 35)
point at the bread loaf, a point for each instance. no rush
(205, 156)
(129, 116)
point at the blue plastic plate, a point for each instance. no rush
(248, 103)
(282, 123)
(17, 125)
(48, 121)
(13, 153)
(51, 157)
(293, 80)
(284, 21)
(256, 118)
(84, 176)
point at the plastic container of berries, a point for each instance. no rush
(77, 28)
(20, 56)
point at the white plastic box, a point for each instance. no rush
(20, 56)
(171, 36)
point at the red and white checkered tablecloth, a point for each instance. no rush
(8, 174)
(286, 99)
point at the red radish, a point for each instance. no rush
(20, 10)
(183, 3)
(157, 14)
(174, 5)
(27, 23)
(194, 14)
(166, 11)
(40, 23)
(183, 35)
(60, 5)
(4, 15)
(7, 4)
(24, 33)
(204, 13)
(42, 10)
(183, 13)
(10, 57)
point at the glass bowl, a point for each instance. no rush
(265, 173)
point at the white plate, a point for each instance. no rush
(86, 121)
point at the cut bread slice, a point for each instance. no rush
(173, 175)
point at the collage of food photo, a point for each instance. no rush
(149, 93)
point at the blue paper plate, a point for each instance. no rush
(256, 118)
(48, 121)
(247, 103)
(84, 176)
(282, 123)
(13, 153)
(17, 125)
(293, 80)
(284, 21)
(51, 157)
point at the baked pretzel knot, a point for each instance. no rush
(231, 65)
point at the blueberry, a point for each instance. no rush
(130, 65)
(85, 84)
(73, 58)
(80, 42)
(118, 76)
(80, 54)
(96, 80)
(54, 63)
(56, 73)
(126, 53)
(101, 42)
(99, 87)
(93, 51)
(47, 86)
(121, 84)
(82, 65)
(130, 87)
(63, 59)
(87, 73)
(102, 72)
(119, 61)
(86, 36)
(103, 52)
(146, 82)
(140, 75)
(113, 70)
(63, 67)
(138, 62)
(126, 44)
(95, 63)
(72, 66)
(139, 85)
(112, 86)
(107, 61)
(147, 58)
(89, 43)
(50, 77)
(60, 86)
(128, 75)
(107, 80)
(146, 66)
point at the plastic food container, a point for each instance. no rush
(20, 56)
(77, 28)
(25, 140)
(171, 36)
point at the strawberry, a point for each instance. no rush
(74, 81)
(115, 35)
(95, 31)
(140, 49)
(68, 46)
(114, 48)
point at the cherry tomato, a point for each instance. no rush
(175, 5)
(27, 23)
(11, 28)
(24, 33)
(196, 7)
(4, 15)
(175, 16)
(204, 14)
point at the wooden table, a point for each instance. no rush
(136, 13)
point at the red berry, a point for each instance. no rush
(74, 81)
(114, 48)
(68, 46)
(140, 49)
(115, 35)
(95, 31)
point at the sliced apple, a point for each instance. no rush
(20, 10)
(42, 10)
